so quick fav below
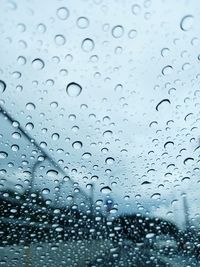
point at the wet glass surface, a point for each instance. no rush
(99, 133)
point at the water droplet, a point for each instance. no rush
(117, 31)
(15, 148)
(21, 60)
(167, 70)
(107, 134)
(188, 160)
(38, 64)
(186, 23)
(109, 161)
(16, 135)
(77, 145)
(55, 136)
(156, 196)
(29, 126)
(132, 34)
(3, 155)
(86, 155)
(82, 22)
(30, 106)
(162, 102)
(45, 191)
(62, 13)
(52, 173)
(106, 190)
(60, 39)
(136, 9)
(73, 89)
(87, 45)
(2, 86)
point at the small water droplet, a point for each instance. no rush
(38, 64)
(117, 31)
(109, 161)
(30, 106)
(52, 173)
(60, 39)
(73, 89)
(15, 148)
(29, 126)
(2, 86)
(86, 155)
(62, 13)
(45, 191)
(55, 136)
(82, 22)
(3, 155)
(106, 190)
(77, 145)
(87, 45)
(186, 22)
(167, 70)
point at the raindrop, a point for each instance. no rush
(156, 196)
(21, 60)
(52, 173)
(55, 136)
(73, 89)
(186, 22)
(106, 190)
(87, 45)
(168, 144)
(161, 102)
(30, 106)
(117, 31)
(82, 22)
(107, 134)
(109, 161)
(86, 155)
(62, 13)
(188, 160)
(167, 70)
(2, 86)
(136, 9)
(3, 155)
(45, 191)
(38, 64)
(16, 135)
(77, 145)
(15, 148)
(29, 126)
(60, 39)
(132, 34)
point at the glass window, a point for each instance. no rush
(99, 133)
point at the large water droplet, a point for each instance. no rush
(73, 89)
